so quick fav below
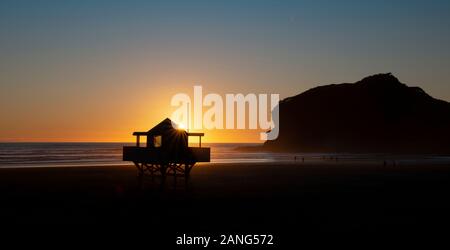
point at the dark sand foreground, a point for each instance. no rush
(294, 202)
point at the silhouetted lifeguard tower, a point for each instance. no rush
(167, 151)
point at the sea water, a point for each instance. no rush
(14, 155)
(94, 154)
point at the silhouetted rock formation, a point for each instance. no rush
(378, 114)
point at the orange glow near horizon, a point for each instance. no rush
(105, 116)
(107, 131)
(211, 136)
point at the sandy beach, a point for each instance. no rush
(292, 201)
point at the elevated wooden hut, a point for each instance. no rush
(166, 151)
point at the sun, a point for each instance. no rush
(181, 126)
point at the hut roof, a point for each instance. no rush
(162, 127)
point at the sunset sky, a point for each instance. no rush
(99, 70)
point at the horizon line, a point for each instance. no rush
(118, 142)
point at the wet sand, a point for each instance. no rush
(296, 202)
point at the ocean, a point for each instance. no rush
(16, 155)
(93, 154)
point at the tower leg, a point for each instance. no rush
(187, 169)
(163, 168)
(140, 167)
